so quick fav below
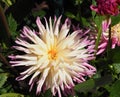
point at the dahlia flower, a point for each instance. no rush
(115, 36)
(104, 37)
(55, 59)
(115, 31)
(106, 7)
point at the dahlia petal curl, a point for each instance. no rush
(55, 59)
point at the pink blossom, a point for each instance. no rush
(115, 36)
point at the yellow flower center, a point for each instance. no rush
(116, 30)
(52, 54)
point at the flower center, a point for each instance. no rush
(116, 29)
(52, 54)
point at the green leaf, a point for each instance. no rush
(11, 95)
(6, 89)
(116, 55)
(98, 21)
(70, 15)
(115, 19)
(116, 60)
(41, 13)
(104, 80)
(1, 64)
(78, 2)
(85, 86)
(48, 93)
(93, 12)
(1, 70)
(116, 67)
(12, 25)
(3, 78)
(115, 89)
(85, 22)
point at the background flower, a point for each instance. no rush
(115, 31)
(106, 7)
(104, 37)
(55, 58)
(115, 36)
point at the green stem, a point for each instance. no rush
(5, 26)
(98, 38)
(109, 41)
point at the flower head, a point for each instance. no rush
(55, 58)
(115, 31)
(115, 36)
(106, 7)
(104, 37)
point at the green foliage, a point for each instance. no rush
(86, 22)
(3, 78)
(77, 2)
(40, 13)
(5, 87)
(98, 20)
(1, 70)
(116, 67)
(11, 95)
(93, 12)
(70, 15)
(114, 90)
(48, 93)
(8, 2)
(116, 60)
(13, 26)
(115, 19)
(85, 86)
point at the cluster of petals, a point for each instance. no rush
(106, 7)
(115, 36)
(55, 58)
(103, 43)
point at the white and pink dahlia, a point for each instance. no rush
(55, 59)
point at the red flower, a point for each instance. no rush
(106, 7)
(118, 1)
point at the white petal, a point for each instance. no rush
(42, 79)
(40, 26)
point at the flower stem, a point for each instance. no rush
(98, 38)
(6, 33)
(109, 41)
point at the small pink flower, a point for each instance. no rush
(55, 59)
(115, 36)
(106, 7)
(104, 37)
